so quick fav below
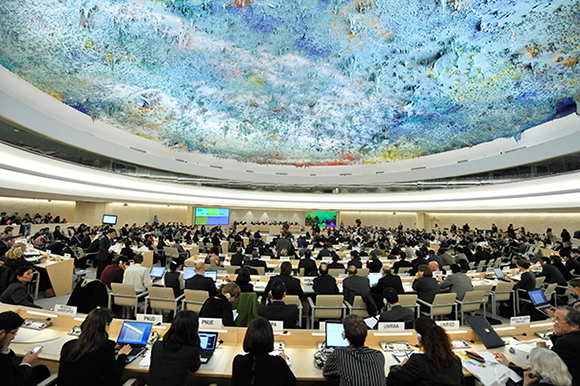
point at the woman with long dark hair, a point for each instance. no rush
(90, 359)
(177, 355)
(243, 280)
(437, 365)
(17, 292)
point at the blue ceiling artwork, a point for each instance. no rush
(303, 82)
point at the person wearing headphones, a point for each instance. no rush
(220, 306)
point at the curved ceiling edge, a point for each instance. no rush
(28, 175)
(30, 107)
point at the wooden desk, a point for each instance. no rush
(60, 271)
(300, 344)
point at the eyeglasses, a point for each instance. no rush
(559, 321)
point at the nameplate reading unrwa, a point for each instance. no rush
(277, 325)
(210, 322)
(391, 326)
(516, 320)
(155, 319)
(64, 309)
(448, 324)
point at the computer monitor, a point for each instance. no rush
(334, 332)
(207, 340)
(212, 274)
(157, 272)
(189, 273)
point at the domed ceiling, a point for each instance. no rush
(303, 82)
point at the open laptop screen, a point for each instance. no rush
(189, 273)
(538, 297)
(157, 271)
(208, 340)
(499, 273)
(334, 332)
(374, 278)
(212, 274)
(135, 333)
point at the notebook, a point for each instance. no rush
(189, 273)
(212, 274)
(334, 332)
(540, 302)
(135, 334)
(485, 331)
(157, 273)
(208, 344)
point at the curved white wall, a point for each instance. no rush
(30, 107)
(23, 174)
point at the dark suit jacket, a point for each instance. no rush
(325, 285)
(17, 294)
(553, 275)
(259, 263)
(399, 314)
(200, 282)
(355, 285)
(261, 370)
(13, 375)
(104, 246)
(309, 267)
(278, 310)
(427, 288)
(237, 259)
(253, 271)
(391, 281)
(566, 346)
(293, 285)
(402, 264)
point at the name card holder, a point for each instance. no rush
(519, 320)
(448, 324)
(391, 326)
(277, 325)
(155, 319)
(210, 323)
(66, 310)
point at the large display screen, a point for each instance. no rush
(212, 216)
(109, 219)
(323, 219)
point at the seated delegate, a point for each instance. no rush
(17, 292)
(437, 365)
(258, 367)
(177, 355)
(220, 306)
(91, 357)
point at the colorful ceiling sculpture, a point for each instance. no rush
(303, 82)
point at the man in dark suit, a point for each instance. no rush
(308, 264)
(293, 285)
(355, 285)
(200, 282)
(402, 263)
(325, 284)
(284, 246)
(256, 262)
(237, 257)
(354, 259)
(246, 263)
(396, 312)
(324, 252)
(387, 281)
(552, 274)
(277, 309)
(105, 256)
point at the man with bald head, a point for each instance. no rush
(200, 282)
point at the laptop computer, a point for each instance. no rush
(208, 344)
(374, 278)
(540, 302)
(334, 332)
(135, 334)
(157, 273)
(189, 273)
(212, 274)
(499, 274)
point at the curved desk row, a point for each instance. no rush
(300, 345)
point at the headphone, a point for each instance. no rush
(228, 296)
